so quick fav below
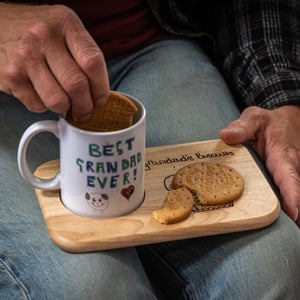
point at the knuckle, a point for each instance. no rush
(64, 14)
(91, 59)
(45, 28)
(32, 102)
(40, 30)
(255, 110)
(292, 154)
(258, 114)
(13, 74)
(75, 81)
(25, 53)
(61, 11)
(28, 49)
(29, 98)
(57, 103)
(36, 107)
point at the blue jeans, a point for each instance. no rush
(186, 100)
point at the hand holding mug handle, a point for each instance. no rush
(34, 129)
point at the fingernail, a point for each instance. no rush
(100, 101)
(232, 129)
(296, 214)
(84, 118)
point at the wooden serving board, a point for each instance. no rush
(257, 207)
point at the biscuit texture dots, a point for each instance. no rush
(211, 183)
(115, 114)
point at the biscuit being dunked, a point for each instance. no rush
(115, 114)
(211, 183)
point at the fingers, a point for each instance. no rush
(274, 136)
(91, 60)
(79, 66)
(29, 97)
(283, 165)
(49, 91)
(290, 195)
(15, 82)
(73, 82)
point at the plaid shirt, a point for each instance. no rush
(256, 42)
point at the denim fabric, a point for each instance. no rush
(185, 97)
(186, 100)
(259, 264)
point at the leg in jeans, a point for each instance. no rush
(31, 265)
(187, 100)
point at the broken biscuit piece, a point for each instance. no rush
(178, 206)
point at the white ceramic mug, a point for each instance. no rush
(101, 173)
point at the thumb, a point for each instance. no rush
(237, 132)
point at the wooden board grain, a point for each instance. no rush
(256, 208)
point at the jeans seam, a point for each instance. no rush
(15, 278)
(168, 265)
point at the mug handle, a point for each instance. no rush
(34, 129)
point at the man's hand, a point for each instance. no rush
(275, 136)
(49, 61)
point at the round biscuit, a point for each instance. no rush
(211, 183)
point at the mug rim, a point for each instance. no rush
(142, 118)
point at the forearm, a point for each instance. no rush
(258, 44)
